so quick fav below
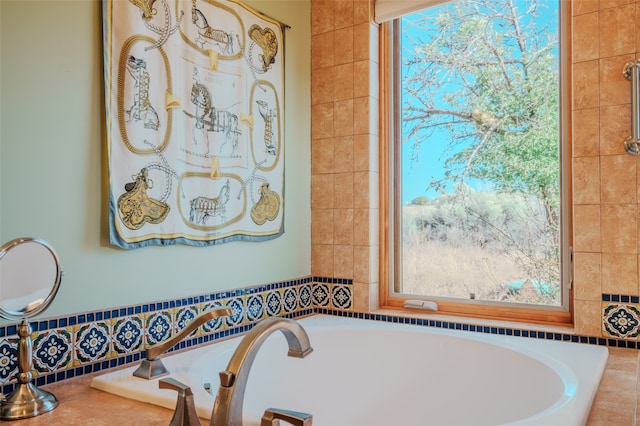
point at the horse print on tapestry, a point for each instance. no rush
(194, 103)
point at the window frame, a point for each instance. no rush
(390, 184)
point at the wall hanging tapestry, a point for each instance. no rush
(194, 103)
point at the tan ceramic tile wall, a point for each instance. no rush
(344, 128)
(605, 178)
(344, 170)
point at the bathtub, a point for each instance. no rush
(369, 373)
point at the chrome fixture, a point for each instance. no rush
(152, 366)
(631, 72)
(227, 408)
(30, 276)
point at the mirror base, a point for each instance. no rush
(27, 401)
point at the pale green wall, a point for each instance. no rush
(52, 164)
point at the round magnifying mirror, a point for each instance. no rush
(29, 277)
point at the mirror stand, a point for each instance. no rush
(26, 400)
(30, 276)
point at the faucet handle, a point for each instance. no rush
(185, 414)
(272, 417)
(227, 378)
(152, 367)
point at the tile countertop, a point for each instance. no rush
(615, 403)
(80, 404)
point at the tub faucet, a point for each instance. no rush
(227, 409)
(152, 366)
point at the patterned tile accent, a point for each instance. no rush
(52, 351)
(333, 294)
(92, 342)
(274, 304)
(159, 326)
(68, 347)
(8, 359)
(290, 300)
(184, 316)
(620, 320)
(321, 295)
(304, 296)
(71, 346)
(128, 334)
(255, 307)
(237, 309)
(215, 324)
(341, 297)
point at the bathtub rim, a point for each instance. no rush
(578, 402)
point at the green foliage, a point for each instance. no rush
(488, 75)
(420, 201)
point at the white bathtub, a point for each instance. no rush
(367, 373)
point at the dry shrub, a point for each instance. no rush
(436, 269)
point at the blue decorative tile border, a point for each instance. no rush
(90, 342)
(620, 298)
(85, 343)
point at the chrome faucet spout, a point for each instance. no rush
(227, 409)
(152, 366)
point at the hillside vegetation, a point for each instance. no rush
(483, 245)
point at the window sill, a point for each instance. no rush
(483, 321)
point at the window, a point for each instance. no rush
(478, 153)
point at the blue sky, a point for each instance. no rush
(416, 175)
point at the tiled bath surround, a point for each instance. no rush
(345, 210)
(606, 184)
(68, 347)
(71, 346)
(605, 180)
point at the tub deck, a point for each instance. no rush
(439, 371)
(616, 402)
